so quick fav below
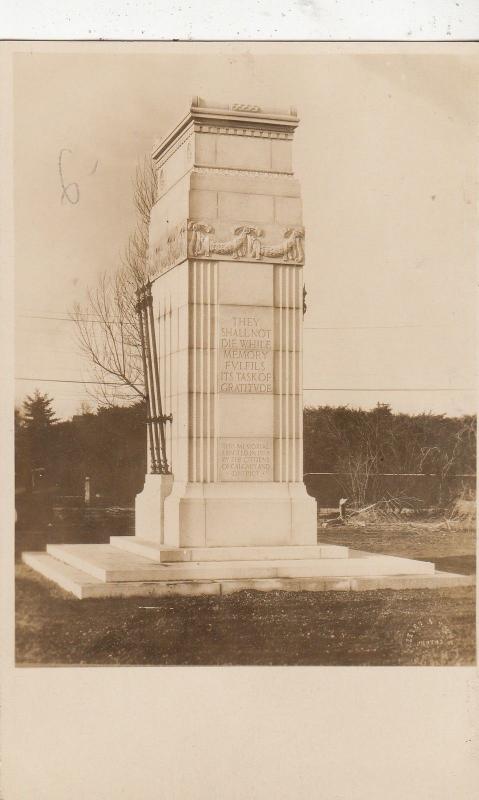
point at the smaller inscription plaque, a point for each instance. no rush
(246, 459)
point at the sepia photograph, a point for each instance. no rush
(245, 342)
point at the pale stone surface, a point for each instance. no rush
(68, 578)
(238, 513)
(245, 415)
(288, 210)
(204, 204)
(240, 152)
(164, 553)
(205, 149)
(281, 156)
(245, 207)
(232, 281)
(110, 563)
(149, 507)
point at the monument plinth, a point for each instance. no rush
(224, 507)
(226, 262)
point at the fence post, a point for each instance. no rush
(87, 491)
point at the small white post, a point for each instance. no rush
(87, 491)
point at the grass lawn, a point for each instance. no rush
(397, 628)
(451, 550)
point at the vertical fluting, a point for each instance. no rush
(288, 447)
(289, 387)
(287, 343)
(299, 371)
(193, 375)
(201, 366)
(207, 326)
(281, 377)
(293, 379)
(204, 292)
(214, 372)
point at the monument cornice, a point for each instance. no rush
(235, 119)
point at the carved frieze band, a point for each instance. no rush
(170, 251)
(246, 242)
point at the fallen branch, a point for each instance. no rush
(366, 508)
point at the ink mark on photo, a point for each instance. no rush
(71, 191)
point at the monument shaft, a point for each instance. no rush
(226, 262)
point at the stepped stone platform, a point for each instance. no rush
(129, 566)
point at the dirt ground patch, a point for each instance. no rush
(414, 627)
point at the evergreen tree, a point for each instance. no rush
(37, 411)
(22, 455)
(38, 422)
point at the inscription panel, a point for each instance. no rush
(245, 358)
(245, 459)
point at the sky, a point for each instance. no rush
(386, 156)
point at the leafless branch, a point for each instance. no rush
(107, 324)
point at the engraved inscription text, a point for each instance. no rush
(246, 459)
(245, 364)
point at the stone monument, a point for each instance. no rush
(224, 506)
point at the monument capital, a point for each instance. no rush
(226, 188)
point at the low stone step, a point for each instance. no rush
(163, 553)
(84, 586)
(105, 562)
(109, 563)
(67, 577)
(438, 580)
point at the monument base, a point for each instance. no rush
(129, 567)
(239, 514)
(149, 507)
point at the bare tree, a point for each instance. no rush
(145, 190)
(107, 324)
(361, 461)
(376, 453)
(462, 440)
